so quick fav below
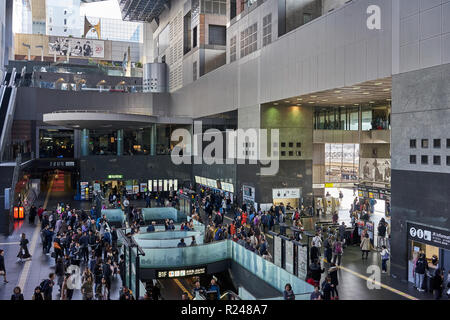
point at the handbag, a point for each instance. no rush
(2, 273)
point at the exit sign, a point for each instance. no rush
(115, 176)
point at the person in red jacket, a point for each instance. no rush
(40, 212)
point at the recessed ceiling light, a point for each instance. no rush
(340, 98)
(366, 93)
(313, 96)
(356, 104)
(356, 88)
(276, 103)
(372, 102)
(325, 100)
(311, 102)
(378, 83)
(286, 101)
(388, 99)
(338, 91)
(299, 99)
(387, 89)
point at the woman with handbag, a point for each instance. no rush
(366, 246)
(2, 266)
(23, 251)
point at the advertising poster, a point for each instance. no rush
(76, 47)
(84, 190)
(143, 187)
(375, 170)
(277, 251)
(289, 254)
(302, 261)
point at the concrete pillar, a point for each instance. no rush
(148, 54)
(120, 142)
(85, 142)
(153, 140)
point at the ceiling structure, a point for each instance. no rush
(376, 92)
(143, 10)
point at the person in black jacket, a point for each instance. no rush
(316, 271)
(17, 294)
(333, 274)
(32, 214)
(419, 271)
(47, 287)
(327, 288)
(437, 282)
(37, 295)
(2, 265)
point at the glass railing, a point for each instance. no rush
(169, 239)
(162, 213)
(156, 258)
(114, 215)
(277, 277)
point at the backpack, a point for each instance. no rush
(386, 255)
(338, 248)
(44, 285)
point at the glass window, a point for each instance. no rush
(437, 160)
(437, 143)
(54, 143)
(424, 159)
(412, 143)
(425, 143)
(448, 160)
(448, 143)
(341, 162)
(366, 118)
(412, 159)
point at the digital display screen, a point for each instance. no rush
(161, 274)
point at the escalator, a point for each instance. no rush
(7, 108)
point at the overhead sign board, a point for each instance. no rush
(429, 235)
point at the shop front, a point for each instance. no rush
(377, 194)
(434, 242)
(287, 196)
(216, 186)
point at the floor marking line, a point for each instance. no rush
(179, 284)
(6, 243)
(405, 295)
(26, 268)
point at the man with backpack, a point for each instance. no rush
(47, 286)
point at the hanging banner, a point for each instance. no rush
(76, 47)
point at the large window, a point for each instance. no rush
(341, 162)
(233, 49)
(214, 6)
(217, 35)
(54, 143)
(339, 118)
(249, 38)
(267, 29)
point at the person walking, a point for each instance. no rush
(47, 287)
(17, 294)
(437, 282)
(365, 246)
(337, 251)
(87, 288)
(385, 255)
(23, 250)
(2, 266)
(333, 274)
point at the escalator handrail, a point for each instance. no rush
(12, 80)
(231, 293)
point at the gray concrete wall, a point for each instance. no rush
(420, 110)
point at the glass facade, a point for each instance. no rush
(336, 118)
(115, 29)
(341, 162)
(54, 143)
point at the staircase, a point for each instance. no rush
(59, 182)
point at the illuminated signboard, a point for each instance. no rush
(115, 176)
(161, 274)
